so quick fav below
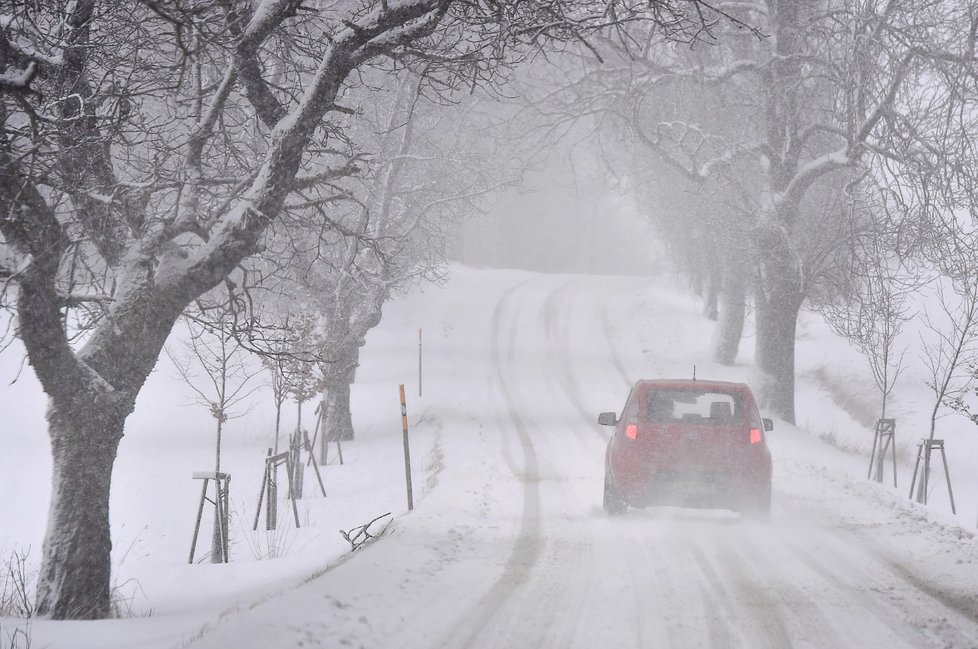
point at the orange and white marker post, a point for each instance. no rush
(407, 450)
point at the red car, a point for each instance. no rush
(688, 443)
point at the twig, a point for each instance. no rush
(360, 536)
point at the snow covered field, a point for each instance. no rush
(508, 545)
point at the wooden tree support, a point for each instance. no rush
(924, 450)
(407, 448)
(327, 438)
(220, 502)
(269, 490)
(297, 443)
(298, 468)
(884, 439)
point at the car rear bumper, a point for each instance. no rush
(697, 489)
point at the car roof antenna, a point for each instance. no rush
(694, 372)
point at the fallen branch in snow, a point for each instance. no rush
(360, 536)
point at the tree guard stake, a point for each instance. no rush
(407, 449)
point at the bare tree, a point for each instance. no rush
(428, 165)
(951, 347)
(867, 297)
(225, 385)
(227, 376)
(145, 149)
(781, 124)
(287, 361)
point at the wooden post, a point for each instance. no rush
(872, 453)
(295, 486)
(419, 362)
(312, 460)
(270, 489)
(261, 494)
(225, 512)
(271, 506)
(219, 544)
(884, 439)
(407, 449)
(947, 476)
(924, 450)
(200, 514)
(324, 445)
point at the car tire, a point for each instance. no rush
(613, 503)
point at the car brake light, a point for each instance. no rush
(631, 431)
(755, 435)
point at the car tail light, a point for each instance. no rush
(755, 436)
(631, 431)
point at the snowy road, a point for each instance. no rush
(511, 548)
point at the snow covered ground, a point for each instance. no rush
(507, 544)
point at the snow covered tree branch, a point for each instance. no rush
(146, 149)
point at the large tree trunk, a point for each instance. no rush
(91, 393)
(74, 582)
(157, 270)
(730, 323)
(338, 418)
(774, 355)
(711, 294)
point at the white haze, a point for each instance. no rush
(507, 545)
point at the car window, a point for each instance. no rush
(692, 406)
(630, 413)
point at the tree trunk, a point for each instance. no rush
(730, 324)
(774, 355)
(91, 393)
(339, 418)
(74, 581)
(219, 531)
(712, 294)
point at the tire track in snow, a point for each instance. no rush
(468, 631)
(770, 587)
(545, 613)
(746, 591)
(616, 359)
(883, 592)
(716, 602)
(556, 309)
(573, 596)
(965, 608)
(663, 586)
(554, 326)
(541, 599)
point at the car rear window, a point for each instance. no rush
(692, 406)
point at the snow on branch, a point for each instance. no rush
(331, 173)
(811, 171)
(267, 16)
(715, 74)
(755, 7)
(75, 299)
(18, 79)
(399, 26)
(12, 24)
